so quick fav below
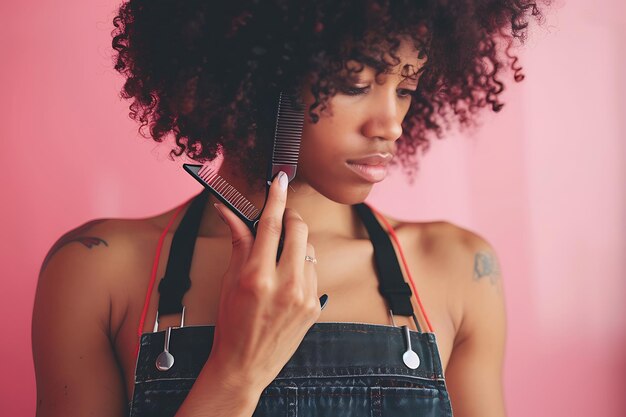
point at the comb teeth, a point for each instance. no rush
(288, 132)
(228, 192)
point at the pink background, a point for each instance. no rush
(543, 181)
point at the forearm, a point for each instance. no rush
(217, 394)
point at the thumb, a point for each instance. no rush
(241, 236)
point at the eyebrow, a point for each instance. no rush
(377, 63)
(409, 71)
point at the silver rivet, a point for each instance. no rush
(409, 357)
(165, 360)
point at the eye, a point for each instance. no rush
(354, 91)
(405, 92)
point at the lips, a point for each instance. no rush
(376, 159)
(371, 168)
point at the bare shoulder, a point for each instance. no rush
(96, 263)
(99, 263)
(466, 246)
(462, 260)
(102, 243)
(470, 266)
(469, 254)
(110, 255)
(454, 246)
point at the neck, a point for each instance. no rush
(322, 215)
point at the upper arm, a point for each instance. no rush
(474, 372)
(75, 366)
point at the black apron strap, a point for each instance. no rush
(177, 281)
(392, 285)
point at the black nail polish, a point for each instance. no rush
(323, 300)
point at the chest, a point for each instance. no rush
(346, 272)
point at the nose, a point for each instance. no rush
(385, 118)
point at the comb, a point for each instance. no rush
(287, 137)
(286, 146)
(226, 193)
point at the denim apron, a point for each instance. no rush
(340, 369)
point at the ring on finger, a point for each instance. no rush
(311, 259)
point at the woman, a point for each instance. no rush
(377, 80)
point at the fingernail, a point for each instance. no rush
(323, 300)
(283, 181)
(219, 212)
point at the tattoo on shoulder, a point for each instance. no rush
(76, 235)
(486, 265)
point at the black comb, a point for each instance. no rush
(226, 193)
(287, 137)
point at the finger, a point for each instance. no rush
(295, 244)
(241, 236)
(270, 224)
(310, 271)
(310, 251)
(310, 277)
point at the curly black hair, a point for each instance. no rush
(205, 70)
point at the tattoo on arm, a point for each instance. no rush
(75, 236)
(486, 265)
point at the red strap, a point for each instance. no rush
(406, 267)
(155, 266)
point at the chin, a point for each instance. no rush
(338, 185)
(344, 194)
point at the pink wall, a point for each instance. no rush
(542, 181)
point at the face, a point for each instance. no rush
(347, 151)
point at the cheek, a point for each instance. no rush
(322, 156)
(314, 149)
(318, 145)
(334, 138)
(334, 132)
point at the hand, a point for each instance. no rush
(265, 308)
